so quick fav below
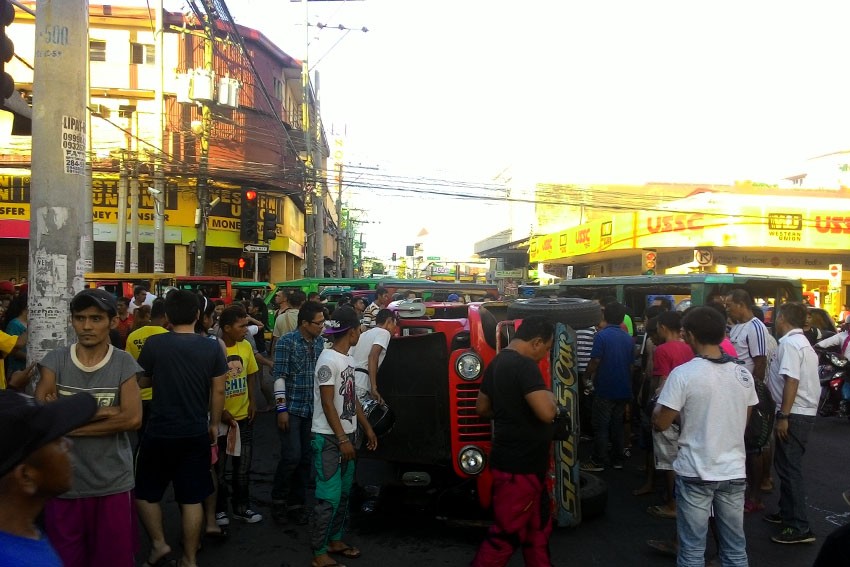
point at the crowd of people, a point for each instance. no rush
(163, 392)
(720, 406)
(176, 384)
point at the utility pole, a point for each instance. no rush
(134, 214)
(121, 237)
(57, 254)
(159, 176)
(312, 201)
(340, 240)
(203, 164)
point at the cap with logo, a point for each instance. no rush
(94, 297)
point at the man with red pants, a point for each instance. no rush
(514, 395)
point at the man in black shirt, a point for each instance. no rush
(515, 396)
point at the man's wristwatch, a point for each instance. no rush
(780, 415)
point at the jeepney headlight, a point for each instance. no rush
(468, 366)
(471, 460)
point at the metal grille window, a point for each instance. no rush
(142, 54)
(97, 50)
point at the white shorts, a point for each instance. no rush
(665, 445)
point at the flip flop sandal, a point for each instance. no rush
(663, 546)
(348, 552)
(661, 512)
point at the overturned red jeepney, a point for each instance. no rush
(438, 448)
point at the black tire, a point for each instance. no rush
(594, 496)
(575, 312)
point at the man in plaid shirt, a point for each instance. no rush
(295, 355)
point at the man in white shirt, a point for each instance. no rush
(794, 385)
(712, 395)
(336, 414)
(141, 296)
(369, 353)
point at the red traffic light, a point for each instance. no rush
(251, 195)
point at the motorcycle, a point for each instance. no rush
(832, 369)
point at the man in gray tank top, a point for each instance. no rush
(93, 524)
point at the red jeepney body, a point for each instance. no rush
(431, 377)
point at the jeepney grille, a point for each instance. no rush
(470, 426)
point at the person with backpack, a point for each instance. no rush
(794, 384)
(711, 395)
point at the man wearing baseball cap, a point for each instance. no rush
(336, 413)
(93, 523)
(35, 466)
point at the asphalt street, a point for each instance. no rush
(407, 537)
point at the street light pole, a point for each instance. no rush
(203, 164)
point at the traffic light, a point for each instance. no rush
(269, 226)
(248, 217)
(245, 263)
(7, 50)
(394, 256)
(650, 262)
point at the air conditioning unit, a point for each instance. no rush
(99, 110)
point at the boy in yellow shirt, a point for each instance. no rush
(239, 412)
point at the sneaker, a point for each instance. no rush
(221, 519)
(790, 535)
(248, 516)
(772, 518)
(591, 466)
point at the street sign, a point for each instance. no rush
(704, 257)
(835, 276)
(256, 248)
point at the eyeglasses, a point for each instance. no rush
(320, 323)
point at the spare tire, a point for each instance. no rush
(575, 312)
(594, 496)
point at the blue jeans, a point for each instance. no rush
(788, 460)
(293, 469)
(607, 420)
(694, 501)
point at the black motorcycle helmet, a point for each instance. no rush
(380, 416)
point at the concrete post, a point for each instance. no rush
(121, 237)
(57, 221)
(134, 219)
(159, 175)
(159, 220)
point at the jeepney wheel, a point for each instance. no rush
(575, 312)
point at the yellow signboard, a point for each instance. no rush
(180, 206)
(746, 227)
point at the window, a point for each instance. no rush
(278, 88)
(142, 54)
(97, 50)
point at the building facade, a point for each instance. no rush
(255, 140)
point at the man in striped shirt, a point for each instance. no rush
(749, 336)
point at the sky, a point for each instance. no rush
(467, 93)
